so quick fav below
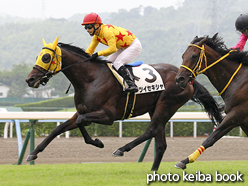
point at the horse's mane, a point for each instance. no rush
(217, 44)
(78, 51)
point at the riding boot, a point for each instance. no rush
(124, 72)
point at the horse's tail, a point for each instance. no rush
(204, 98)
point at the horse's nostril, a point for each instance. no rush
(30, 81)
(179, 79)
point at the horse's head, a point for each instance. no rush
(48, 63)
(193, 58)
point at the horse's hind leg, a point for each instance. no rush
(150, 132)
(158, 121)
(68, 125)
(160, 144)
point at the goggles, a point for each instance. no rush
(89, 26)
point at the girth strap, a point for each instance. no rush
(130, 102)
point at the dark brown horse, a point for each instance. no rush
(99, 98)
(227, 70)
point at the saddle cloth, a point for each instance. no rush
(146, 78)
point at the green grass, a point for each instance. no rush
(108, 174)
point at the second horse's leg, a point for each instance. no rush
(221, 130)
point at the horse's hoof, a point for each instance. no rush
(117, 153)
(154, 169)
(99, 143)
(31, 158)
(180, 165)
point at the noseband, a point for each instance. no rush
(197, 69)
(46, 76)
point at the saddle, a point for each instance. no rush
(146, 78)
(129, 67)
(131, 97)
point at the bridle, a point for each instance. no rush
(48, 74)
(197, 69)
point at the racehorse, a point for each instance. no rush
(227, 71)
(100, 98)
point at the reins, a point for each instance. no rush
(197, 69)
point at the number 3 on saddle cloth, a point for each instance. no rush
(146, 78)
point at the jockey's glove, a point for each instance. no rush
(93, 56)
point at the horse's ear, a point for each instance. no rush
(215, 36)
(196, 37)
(203, 41)
(55, 43)
(44, 42)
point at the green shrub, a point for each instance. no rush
(129, 129)
(50, 105)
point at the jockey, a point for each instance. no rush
(241, 25)
(123, 46)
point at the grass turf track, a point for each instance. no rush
(108, 174)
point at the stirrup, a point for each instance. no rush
(131, 88)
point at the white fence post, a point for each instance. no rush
(6, 126)
(195, 129)
(120, 129)
(58, 123)
(11, 130)
(171, 129)
(67, 134)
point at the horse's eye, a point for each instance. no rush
(194, 56)
(46, 58)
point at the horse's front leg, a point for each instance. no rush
(87, 138)
(97, 117)
(68, 125)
